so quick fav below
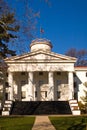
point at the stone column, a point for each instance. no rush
(30, 86)
(70, 83)
(51, 86)
(10, 81)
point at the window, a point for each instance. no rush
(45, 93)
(40, 73)
(23, 94)
(6, 84)
(35, 93)
(41, 82)
(23, 82)
(58, 94)
(58, 73)
(58, 82)
(23, 73)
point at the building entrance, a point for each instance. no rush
(43, 95)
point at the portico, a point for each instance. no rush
(40, 75)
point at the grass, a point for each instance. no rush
(69, 123)
(16, 123)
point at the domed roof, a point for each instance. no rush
(41, 44)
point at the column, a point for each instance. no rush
(10, 81)
(70, 83)
(30, 87)
(51, 86)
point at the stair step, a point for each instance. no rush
(5, 113)
(72, 101)
(6, 108)
(74, 104)
(76, 112)
(40, 107)
(8, 101)
(7, 105)
(74, 107)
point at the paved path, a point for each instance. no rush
(42, 123)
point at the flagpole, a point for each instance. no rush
(41, 29)
(40, 32)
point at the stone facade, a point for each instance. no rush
(42, 75)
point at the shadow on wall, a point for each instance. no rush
(77, 82)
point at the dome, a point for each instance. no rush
(40, 44)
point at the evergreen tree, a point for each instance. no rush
(6, 33)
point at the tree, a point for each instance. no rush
(27, 19)
(3, 68)
(7, 27)
(28, 22)
(6, 33)
(81, 56)
(8, 21)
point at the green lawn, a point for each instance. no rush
(69, 123)
(16, 123)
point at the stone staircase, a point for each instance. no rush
(74, 107)
(40, 108)
(7, 108)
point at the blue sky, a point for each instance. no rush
(64, 22)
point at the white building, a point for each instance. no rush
(42, 75)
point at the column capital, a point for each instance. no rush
(10, 73)
(70, 71)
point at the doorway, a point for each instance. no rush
(43, 95)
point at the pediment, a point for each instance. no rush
(40, 55)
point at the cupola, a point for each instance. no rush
(40, 44)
